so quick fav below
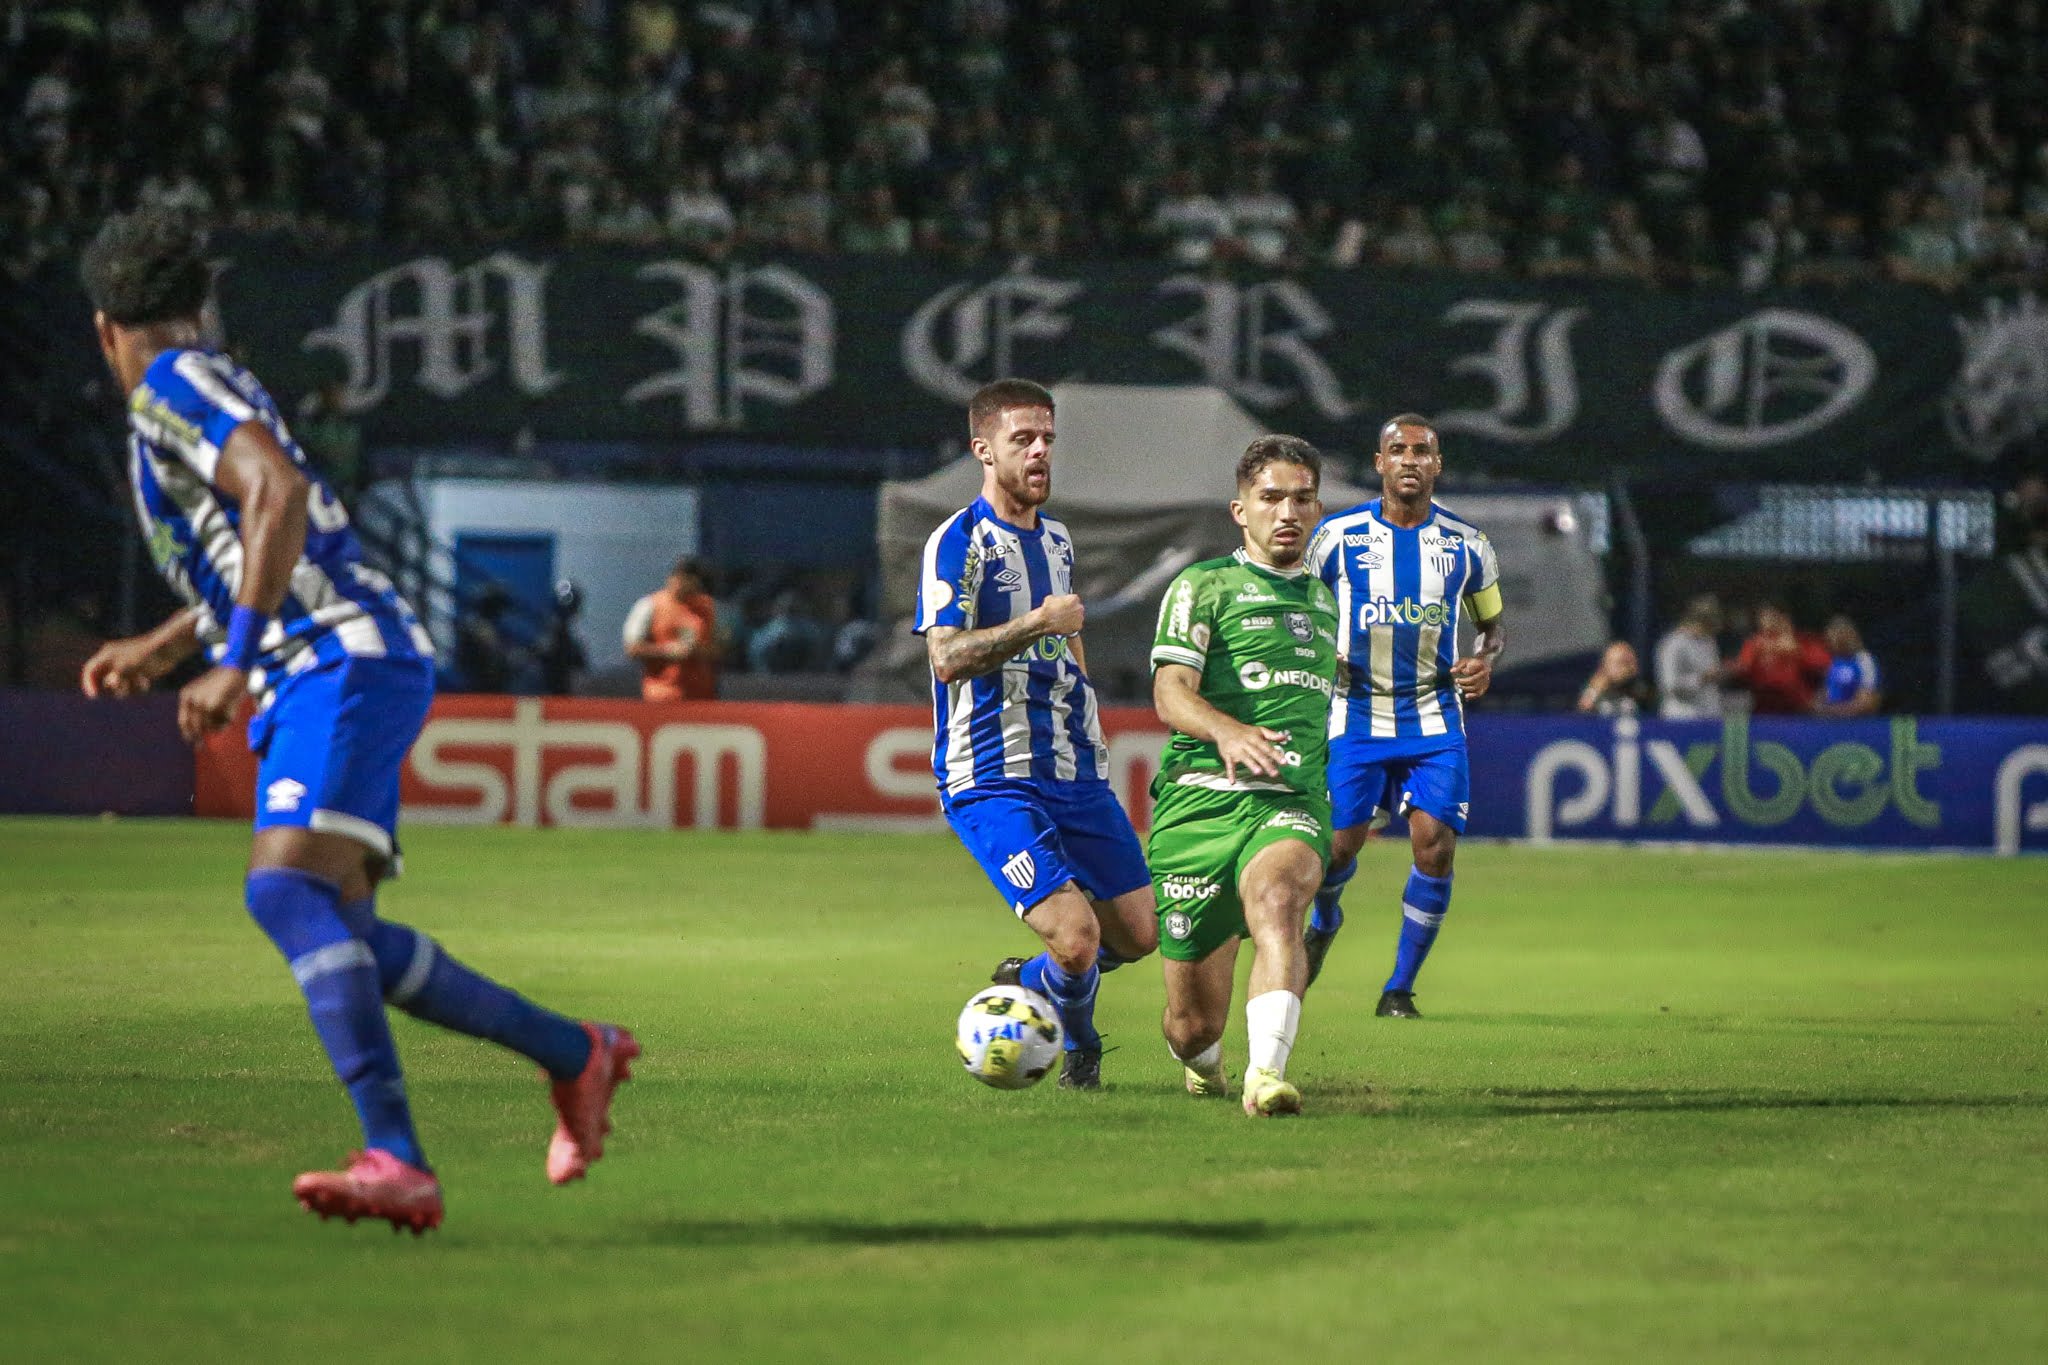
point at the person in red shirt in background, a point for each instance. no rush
(673, 633)
(1780, 667)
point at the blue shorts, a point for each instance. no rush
(330, 746)
(1374, 779)
(1032, 838)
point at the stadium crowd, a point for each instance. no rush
(1676, 141)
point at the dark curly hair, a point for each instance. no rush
(146, 266)
(1278, 450)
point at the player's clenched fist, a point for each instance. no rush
(1473, 675)
(122, 668)
(208, 702)
(1061, 614)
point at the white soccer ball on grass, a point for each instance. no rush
(1009, 1037)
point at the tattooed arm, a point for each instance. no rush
(956, 653)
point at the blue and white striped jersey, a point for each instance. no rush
(1399, 596)
(337, 607)
(1035, 718)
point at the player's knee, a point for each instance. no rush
(1285, 890)
(404, 956)
(1073, 943)
(297, 910)
(1075, 958)
(1434, 855)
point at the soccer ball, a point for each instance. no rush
(1008, 1037)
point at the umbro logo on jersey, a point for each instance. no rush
(283, 795)
(1020, 871)
(1009, 578)
(1368, 559)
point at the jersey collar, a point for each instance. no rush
(1266, 569)
(984, 511)
(1373, 509)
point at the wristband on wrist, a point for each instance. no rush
(245, 638)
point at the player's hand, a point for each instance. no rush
(122, 668)
(208, 702)
(1473, 676)
(685, 645)
(1061, 614)
(1252, 747)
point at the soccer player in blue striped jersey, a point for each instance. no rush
(289, 616)
(1403, 569)
(1017, 746)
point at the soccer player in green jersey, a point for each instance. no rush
(1244, 664)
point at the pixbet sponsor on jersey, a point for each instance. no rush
(1405, 611)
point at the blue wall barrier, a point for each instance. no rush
(1890, 782)
(62, 754)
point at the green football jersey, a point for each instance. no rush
(1266, 643)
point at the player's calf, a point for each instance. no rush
(338, 977)
(1065, 973)
(1326, 916)
(419, 977)
(1194, 1034)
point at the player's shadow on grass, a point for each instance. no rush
(1354, 1100)
(1539, 1102)
(852, 1232)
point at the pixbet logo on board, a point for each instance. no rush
(1847, 784)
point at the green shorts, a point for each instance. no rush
(1201, 843)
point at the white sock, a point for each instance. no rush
(1208, 1059)
(1270, 1023)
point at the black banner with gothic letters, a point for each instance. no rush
(1551, 380)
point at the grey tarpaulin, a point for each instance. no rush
(1142, 477)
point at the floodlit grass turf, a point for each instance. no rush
(1665, 1106)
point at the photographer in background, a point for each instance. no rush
(1617, 687)
(673, 634)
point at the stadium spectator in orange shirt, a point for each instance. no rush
(673, 633)
(1780, 667)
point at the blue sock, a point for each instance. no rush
(421, 979)
(1072, 996)
(1423, 904)
(1328, 916)
(338, 976)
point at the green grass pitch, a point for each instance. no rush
(1666, 1106)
